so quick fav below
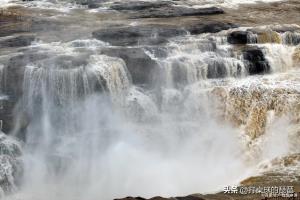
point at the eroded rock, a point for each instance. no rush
(209, 27)
(269, 37)
(140, 66)
(17, 41)
(138, 35)
(256, 61)
(291, 38)
(239, 37)
(140, 5)
(155, 34)
(177, 11)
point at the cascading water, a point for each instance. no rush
(80, 146)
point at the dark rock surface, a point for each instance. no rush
(176, 11)
(138, 35)
(140, 66)
(161, 9)
(140, 5)
(11, 23)
(155, 34)
(256, 61)
(17, 41)
(209, 27)
(238, 37)
(12, 85)
(291, 38)
(91, 3)
(216, 69)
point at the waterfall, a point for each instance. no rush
(193, 59)
(90, 130)
(2, 78)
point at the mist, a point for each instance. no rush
(109, 155)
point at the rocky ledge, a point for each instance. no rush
(155, 34)
(154, 9)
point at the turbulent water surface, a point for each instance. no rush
(106, 99)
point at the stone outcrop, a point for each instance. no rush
(140, 5)
(17, 41)
(209, 27)
(291, 38)
(177, 11)
(161, 9)
(13, 84)
(141, 67)
(256, 61)
(238, 37)
(155, 34)
(138, 35)
(269, 36)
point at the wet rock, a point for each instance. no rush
(268, 37)
(218, 196)
(12, 22)
(209, 27)
(17, 41)
(15, 71)
(256, 61)
(19, 21)
(155, 34)
(216, 69)
(176, 11)
(285, 28)
(91, 3)
(13, 86)
(238, 37)
(161, 9)
(179, 72)
(162, 198)
(291, 38)
(140, 66)
(137, 35)
(67, 62)
(189, 198)
(274, 172)
(140, 5)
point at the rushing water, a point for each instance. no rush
(204, 123)
(66, 4)
(81, 146)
